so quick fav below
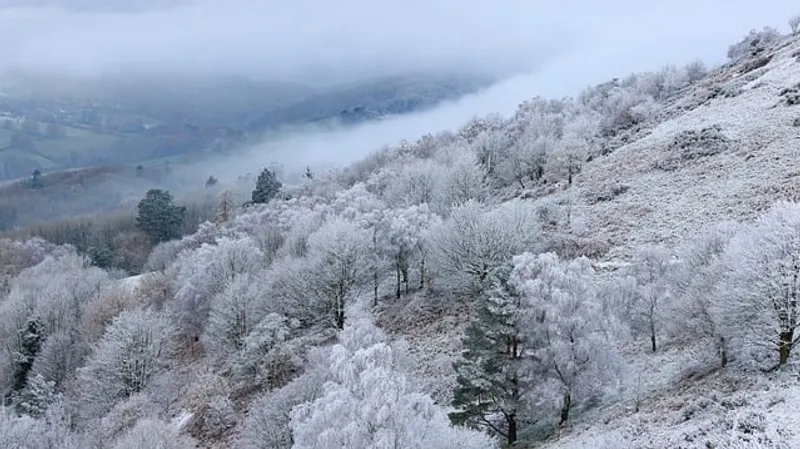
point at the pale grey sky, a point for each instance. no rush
(313, 39)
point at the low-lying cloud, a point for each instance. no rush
(647, 38)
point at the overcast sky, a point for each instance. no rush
(318, 39)
(555, 47)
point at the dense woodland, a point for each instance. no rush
(269, 327)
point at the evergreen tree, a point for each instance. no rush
(267, 187)
(308, 174)
(211, 181)
(29, 339)
(158, 217)
(36, 179)
(490, 380)
(101, 256)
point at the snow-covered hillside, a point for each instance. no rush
(757, 167)
(615, 270)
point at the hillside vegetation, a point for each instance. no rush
(615, 270)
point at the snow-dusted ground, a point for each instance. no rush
(719, 411)
(761, 166)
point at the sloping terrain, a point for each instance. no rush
(331, 315)
(699, 185)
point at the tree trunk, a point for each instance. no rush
(375, 283)
(339, 313)
(785, 346)
(405, 278)
(397, 281)
(653, 345)
(565, 408)
(723, 352)
(512, 429)
(422, 274)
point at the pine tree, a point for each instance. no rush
(30, 341)
(267, 187)
(490, 381)
(36, 179)
(158, 217)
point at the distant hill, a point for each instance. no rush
(121, 136)
(52, 123)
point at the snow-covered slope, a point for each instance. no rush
(670, 194)
(760, 167)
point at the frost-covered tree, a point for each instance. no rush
(490, 149)
(337, 267)
(794, 23)
(266, 357)
(753, 43)
(571, 353)
(37, 396)
(374, 223)
(137, 346)
(50, 431)
(231, 317)
(45, 299)
(473, 242)
(201, 274)
(759, 294)
(566, 159)
(464, 180)
(370, 402)
(401, 238)
(651, 269)
(60, 355)
(417, 182)
(153, 433)
(492, 376)
(266, 425)
(696, 279)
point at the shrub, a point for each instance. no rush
(794, 23)
(753, 44)
(791, 95)
(694, 144)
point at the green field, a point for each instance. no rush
(83, 143)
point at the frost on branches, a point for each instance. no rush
(759, 296)
(540, 344)
(474, 242)
(370, 403)
(136, 347)
(572, 355)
